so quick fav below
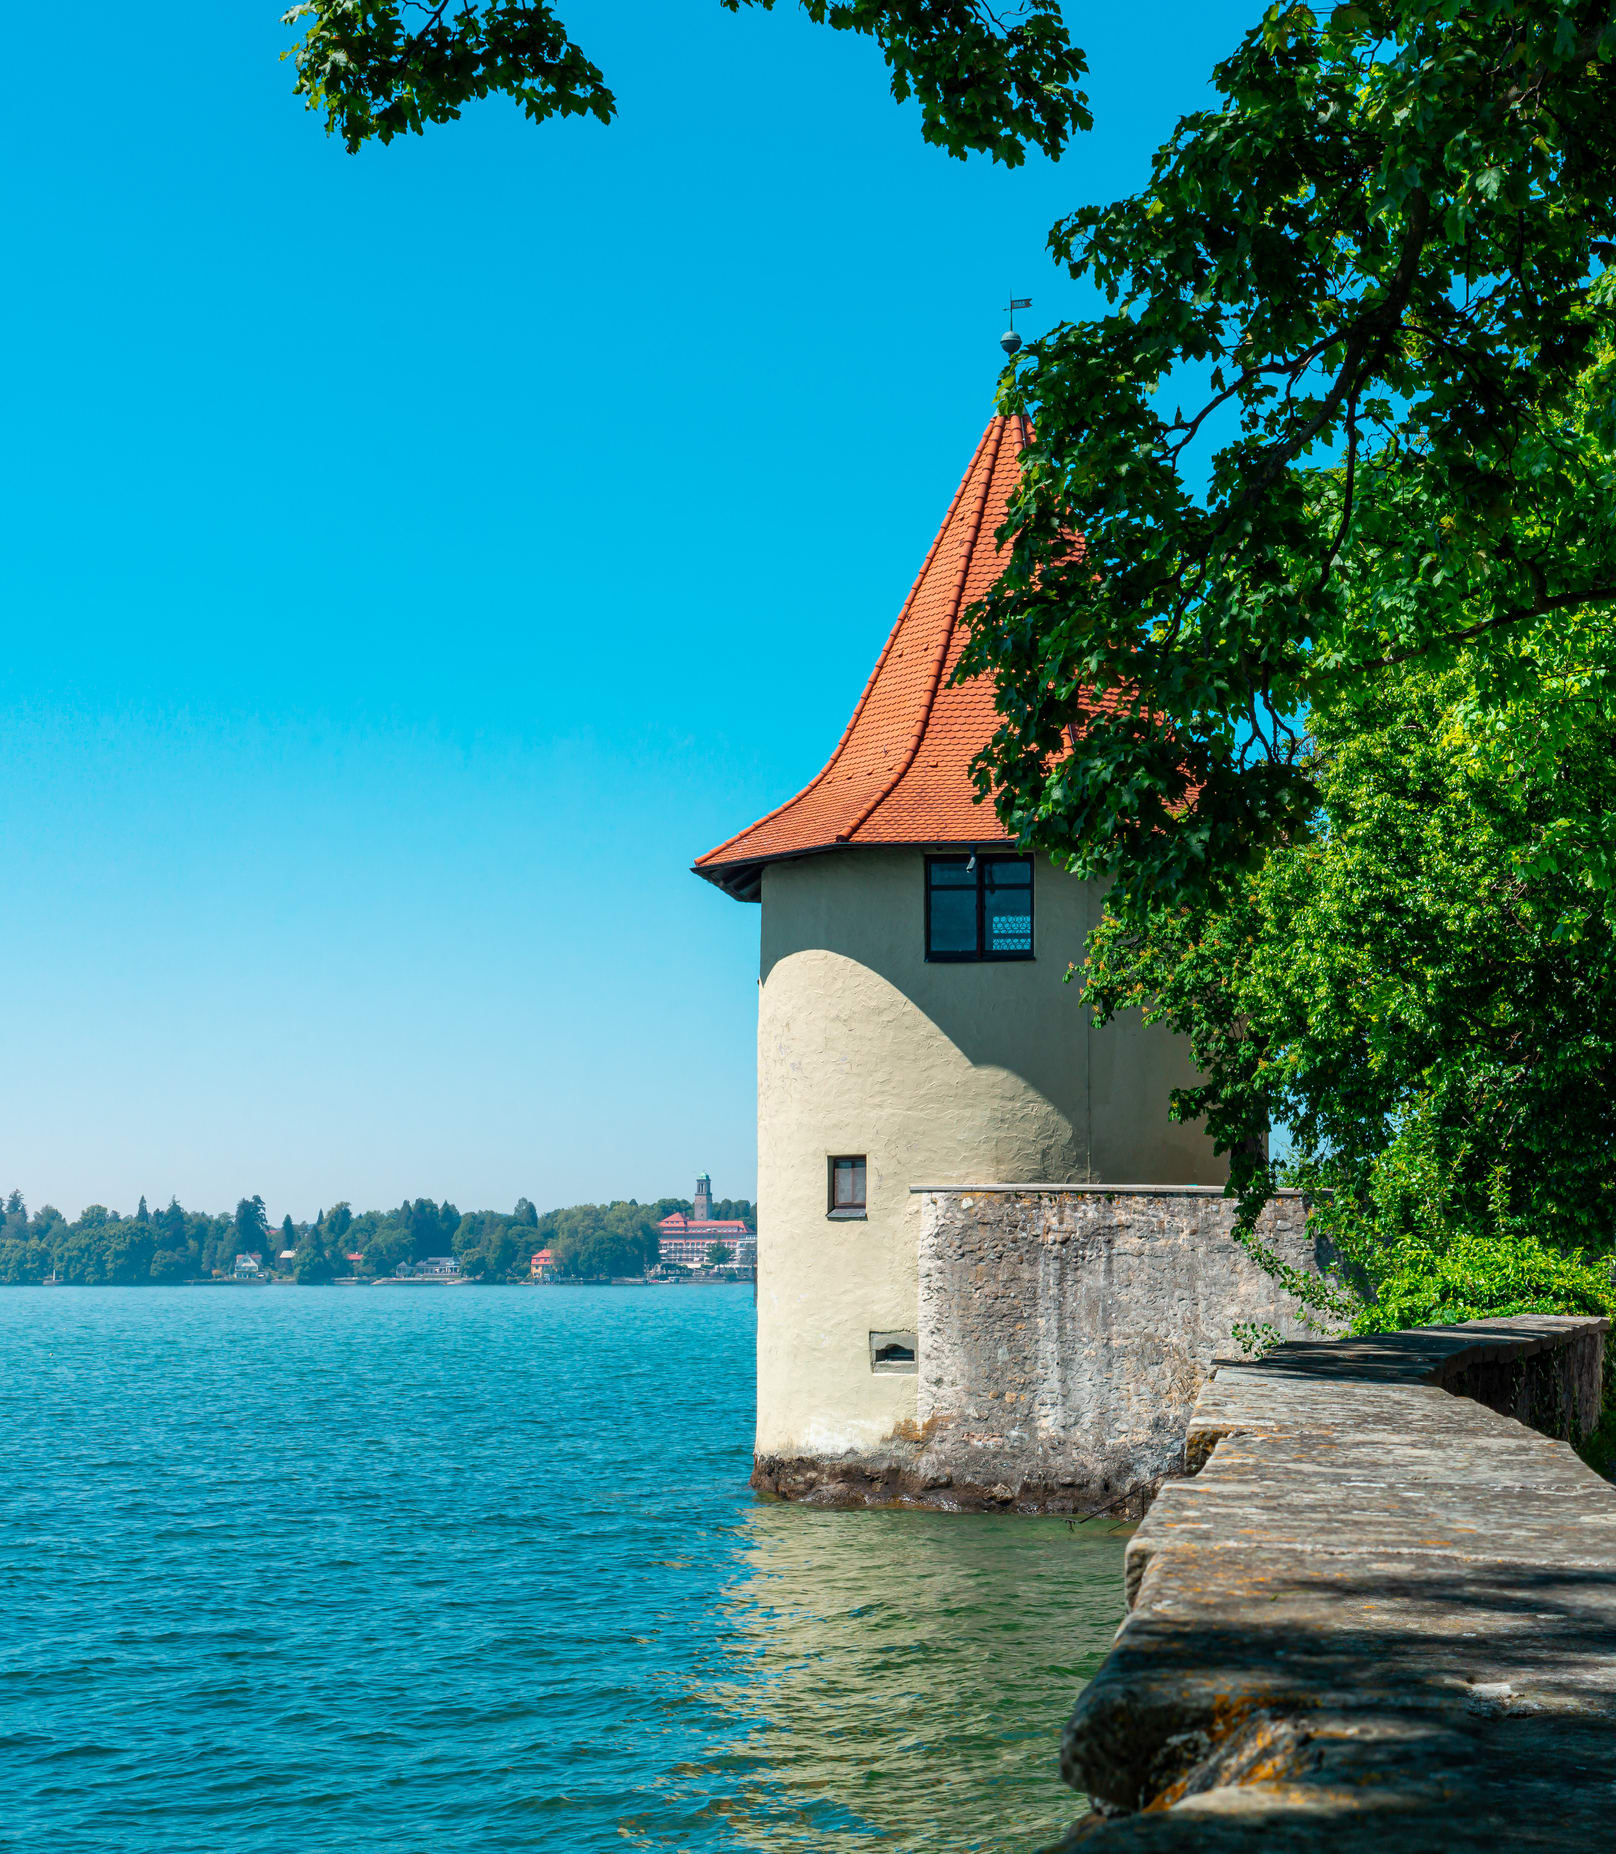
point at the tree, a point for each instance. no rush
(219, 1246)
(1423, 989)
(981, 84)
(492, 1247)
(598, 1241)
(313, 1265)
(431, 1227)
(171, 1265)
(100, 1248)
(1377, 277)
(384, 1246)
(719, 1255)
(122, 1252)
(727, 1209)
(251, 1226)
(1384, 249)
(179, 1242)
(333, 1228)
(592, 1241)
(24, 1263)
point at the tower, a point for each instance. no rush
(701, 1207)
(914, 1023)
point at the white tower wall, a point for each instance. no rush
(973, 1073)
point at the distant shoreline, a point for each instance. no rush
(421, 1240)
(418, 1281)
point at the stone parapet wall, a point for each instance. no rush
(1381, 1615)
(1063, 1333)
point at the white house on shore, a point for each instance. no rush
(915, 1025)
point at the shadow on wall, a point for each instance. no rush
(868, 905)
(1022, 1018)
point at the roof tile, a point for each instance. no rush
(901, 771)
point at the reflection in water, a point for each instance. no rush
(900, 1679)
(525, 1603)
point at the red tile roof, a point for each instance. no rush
(901, 771)
(678, 1224)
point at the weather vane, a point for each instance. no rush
(1010, 341)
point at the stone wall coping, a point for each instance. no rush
(1091, 1190)
(1418, 1355)
(1382, 1615)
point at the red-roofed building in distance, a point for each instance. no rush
(542, 1267)
(689, 1240)
(914, 1023)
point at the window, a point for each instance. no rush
(978, 907)
(893, 1351)
(847, 1187)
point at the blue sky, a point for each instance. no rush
(413, 560)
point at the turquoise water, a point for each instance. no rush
(428, 1569)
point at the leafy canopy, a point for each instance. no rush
(1384, 251)
(1309, 625)
(380, 68)
(1424, 990)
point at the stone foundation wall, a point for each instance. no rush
(1063, 1335)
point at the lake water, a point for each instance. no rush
(290, 1570)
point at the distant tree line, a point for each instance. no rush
(104, 1247)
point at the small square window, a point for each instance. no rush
(847, 1186)
(978, 907)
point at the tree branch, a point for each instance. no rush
(1346, 499)
(1521, 614)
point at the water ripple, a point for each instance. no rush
(299, 1569)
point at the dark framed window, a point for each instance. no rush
(845, 1178)
(978, 907)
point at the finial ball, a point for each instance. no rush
(1010, 341)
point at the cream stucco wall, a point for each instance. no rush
(938, 1074)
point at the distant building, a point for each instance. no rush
(686, 1240)
(288, 1255)
(542, 1267)
(246, 1267)
(438, 1265)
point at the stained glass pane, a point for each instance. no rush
(1007, 904)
